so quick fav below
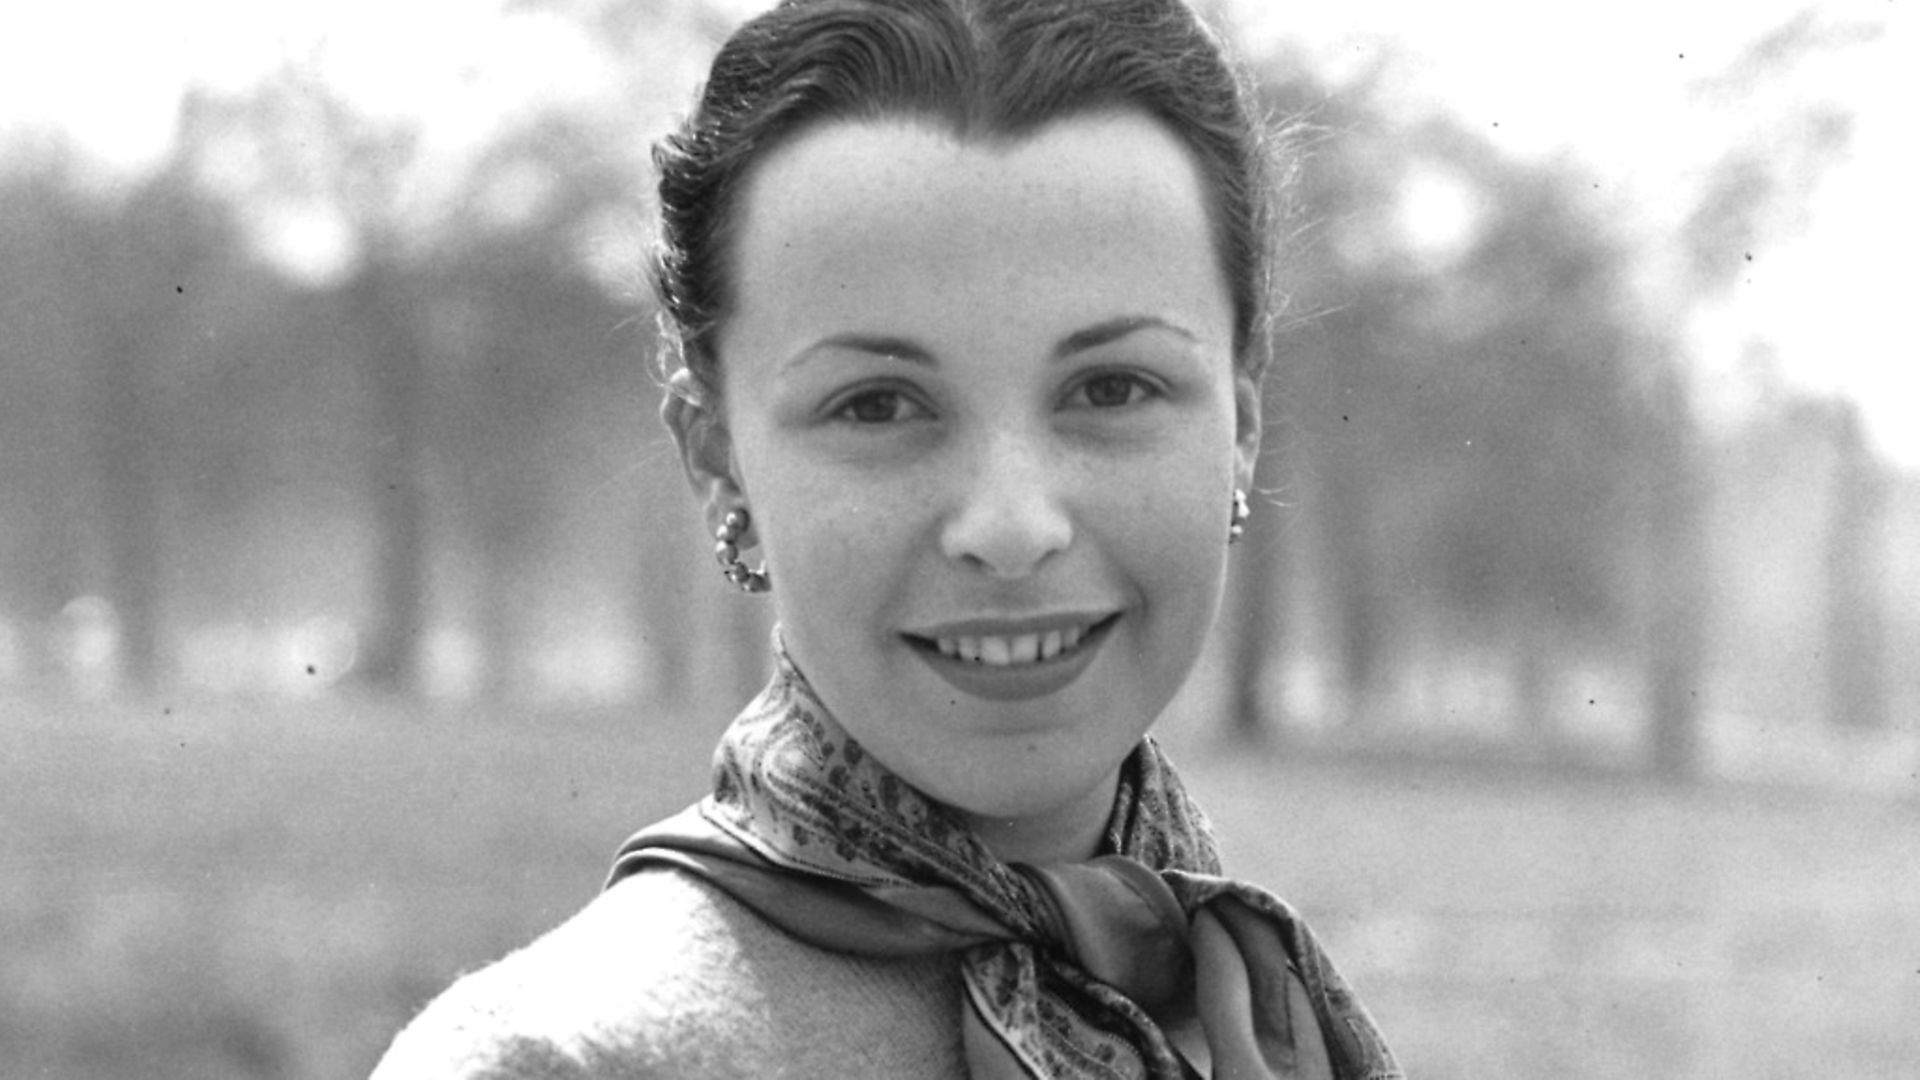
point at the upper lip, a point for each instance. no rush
(1010, 626)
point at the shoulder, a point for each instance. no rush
(664, 976)
(615, 978)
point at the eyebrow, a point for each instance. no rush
(1104, 333)
(898, 348)
(893, 348)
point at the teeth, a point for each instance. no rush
(1008, 651)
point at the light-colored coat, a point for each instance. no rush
(662, 976)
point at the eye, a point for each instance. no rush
(1113, 390)
(878, 407)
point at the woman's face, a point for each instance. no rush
(979, 398)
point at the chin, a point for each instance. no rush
(1030, 782)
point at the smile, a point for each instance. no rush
(1007, 651)
(1020, 663)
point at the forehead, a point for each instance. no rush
(1118, 161)
(907, 215)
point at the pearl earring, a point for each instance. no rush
(1237, 525)
(726, 550)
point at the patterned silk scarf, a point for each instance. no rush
(1071, 970)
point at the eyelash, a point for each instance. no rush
(844, 409)
(1140, 390)
(1146, 388)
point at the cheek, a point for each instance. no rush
(835, 549)
(1173, 527)
(1182, 501)
(1188, 554)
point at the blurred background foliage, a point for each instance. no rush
(338, 421)
(338, 378)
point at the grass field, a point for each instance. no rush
(210, 889)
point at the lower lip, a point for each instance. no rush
(1016, 682)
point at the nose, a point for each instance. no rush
(1009, 518)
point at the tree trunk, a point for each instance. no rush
(143, 259)
(126, 455)
(396, 368)
(1677, 634)
(1360, 619)
(508, 502)
(1856, 620)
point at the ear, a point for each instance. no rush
(1246, 422)
(705, 444)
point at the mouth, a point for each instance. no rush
(972, 644)
(1006, 663)
(1007, 651)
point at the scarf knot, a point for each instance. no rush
(1120, 923)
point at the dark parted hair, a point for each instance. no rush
(986, 69)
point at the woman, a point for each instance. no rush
(967, 299)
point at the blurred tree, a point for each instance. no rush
(1313, 484)
(475, 256)
(1537, 384)
(106, 290)
(291, 153)
(1465, 414)
(1755, 194)
(707, 647)
(526, 332)
(1486, 428)
(471, 271)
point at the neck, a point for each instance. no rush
(1068, 832)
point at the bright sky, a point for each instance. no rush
(1615, 85)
